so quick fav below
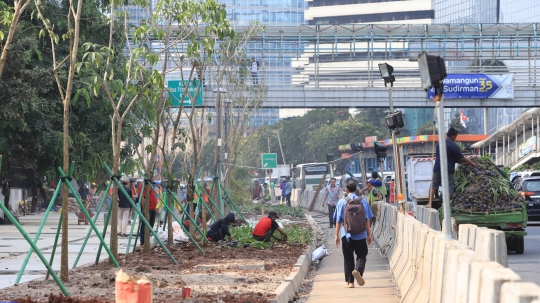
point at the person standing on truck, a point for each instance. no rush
(374, 196)
(454, 155)
(382, 189)
(331, 196)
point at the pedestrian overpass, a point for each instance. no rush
(320, 66)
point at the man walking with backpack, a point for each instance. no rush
(353, 231)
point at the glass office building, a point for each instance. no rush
(466, 11)
(268, 12)
(519, 11)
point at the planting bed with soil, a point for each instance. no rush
(223, 274)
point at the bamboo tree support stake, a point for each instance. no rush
(179, 222)
(36, 249)
(55, 242)
(202, 190)
(233, 204)
(83, 209)
(98, 212)
(191, 219)
(38, 233)
(105, 226)
(132, 227)
(140, 214)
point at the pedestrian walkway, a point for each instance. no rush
(329, 282)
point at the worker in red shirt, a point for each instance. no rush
(152, 202)
(264, 230)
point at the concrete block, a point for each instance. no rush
(302, 265)
(501, 251)
(475, 274)
(415, 280)
(463, 275)
(398, 247)
(472, 237)
(434, 221)
(451, 274)
(464, 232)
(296, 279)
(519, 292)
(491, 282)
(441, 254)
(420, 213)
(283, 293)
(492, 244)
(428, 266)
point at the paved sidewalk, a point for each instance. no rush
(329, 282)
(13, 247)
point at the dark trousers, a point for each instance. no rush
(266, 238)
(288, 199)
(152, 220)
(349, 248)
(331, 210)
(254, 78)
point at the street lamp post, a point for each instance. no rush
(432, 73)
(386, 73)
(218, 133)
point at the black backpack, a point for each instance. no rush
(354, 219)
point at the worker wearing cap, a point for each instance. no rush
(374, 196)
(454, 155)
(264, 230)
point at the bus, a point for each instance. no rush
(309, 175)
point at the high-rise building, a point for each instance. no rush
(466, 11)
(369, 11)
(268, 12)
(519, 11)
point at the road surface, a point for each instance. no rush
(526, 265)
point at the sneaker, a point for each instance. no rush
(358, 277)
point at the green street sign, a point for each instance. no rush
(176, 91)
(269, 161)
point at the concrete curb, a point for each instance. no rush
(288, 288)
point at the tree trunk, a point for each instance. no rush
(170, 235)
(64, 266)
(148, 192)
(114, 203)
(18, 9)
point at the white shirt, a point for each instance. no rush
(254, 67)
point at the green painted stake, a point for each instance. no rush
(132, 227)
(38, 233)
(140, 214)
(71, 169)
(98, 212)
(36, 249)
(191, 219)
(186, 231)
(109, 211)
(55, 243)
(83, 209)
(200, 188)
(232, 203)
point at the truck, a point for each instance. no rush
(419, 172)
(513, 224)
(281, 171)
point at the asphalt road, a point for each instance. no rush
(527, 264)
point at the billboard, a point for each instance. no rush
(483, 86)
(527, 147)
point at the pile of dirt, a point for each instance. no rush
(61, 299)
(483, 189)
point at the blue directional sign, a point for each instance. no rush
(457, 86)
(194, 92)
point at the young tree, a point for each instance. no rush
(10, 16)
(74, 11)
(456, 123)
(427, 128)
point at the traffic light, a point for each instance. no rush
(357, 146)
(432, 70)
(329, 157)
(395, 120)
(380, 150)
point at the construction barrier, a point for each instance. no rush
(429, 268)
